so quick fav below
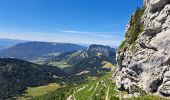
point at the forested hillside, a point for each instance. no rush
(16, 75)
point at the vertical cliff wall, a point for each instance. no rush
(144, 56)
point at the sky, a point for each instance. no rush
(72, 21)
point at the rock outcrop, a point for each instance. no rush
(144, 63)
(99, 50)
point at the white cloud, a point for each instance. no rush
(83, 32)
(86, 38)
(95, 34)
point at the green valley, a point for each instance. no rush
(38, 91)
(17, 75)
(95, 88)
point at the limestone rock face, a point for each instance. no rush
(148, 66)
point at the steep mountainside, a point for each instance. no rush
(144, 55)
(98, 50)
(31, 50)
(16, 75)
(92, 59)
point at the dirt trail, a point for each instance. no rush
(93, 91)
(81, 89)
(70, 97)
(74, 96)
(90, 88)
(107, 94)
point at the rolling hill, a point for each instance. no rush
(16, 75)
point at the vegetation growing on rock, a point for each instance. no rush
(136, 27)
(146, 67)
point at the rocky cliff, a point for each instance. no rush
(144, 56)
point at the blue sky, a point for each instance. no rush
(73, 21)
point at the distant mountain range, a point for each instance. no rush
(29, 50)
(91, 60)
(72, 58)
(55, 62)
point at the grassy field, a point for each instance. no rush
(38, 91)
(96, 88)
(99, 88)
(61, 64)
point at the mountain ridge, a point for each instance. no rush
(33, 49)
(95, 56)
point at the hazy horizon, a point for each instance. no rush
(24, 41)
(81, 22)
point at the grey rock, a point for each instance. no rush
(148, 67)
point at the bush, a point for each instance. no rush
(122, 45)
